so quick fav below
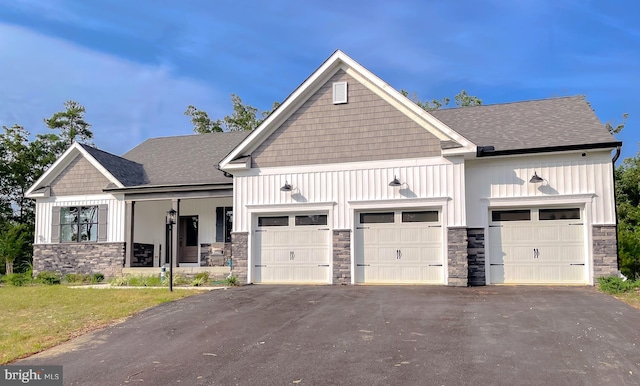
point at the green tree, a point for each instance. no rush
(202, 124)
(13, 240)
(618, 127)
(627, 179)
(244, 117)
(71, 126)
(462, 99)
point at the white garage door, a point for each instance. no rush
(399, 247)
(292, 249)
(537, 246)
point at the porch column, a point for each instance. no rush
(128, 231)
(175, 204)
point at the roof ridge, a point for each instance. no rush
(511, 103)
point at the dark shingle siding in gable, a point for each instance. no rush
(556, 122)
(189, 159)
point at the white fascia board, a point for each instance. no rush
(339, 60)
(44, 193)
(265, 128)
(380, 164)
(239, 166)
(53, 171)
(62, 162)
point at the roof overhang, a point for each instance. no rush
(169, 188)
(61, 163)
(489, 151)
(340, 61)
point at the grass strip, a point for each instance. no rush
(35, 318)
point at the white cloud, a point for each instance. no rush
(126, 102)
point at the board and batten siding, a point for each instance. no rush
(564, 175)
(115, 221)
(343, 184)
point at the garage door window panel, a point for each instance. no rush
(273, 221)
(423, 216)
(377, 218)
(559, 214)
(314, 219)
(511, 215)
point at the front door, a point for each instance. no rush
(188, 240)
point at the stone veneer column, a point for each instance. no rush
(605, 251)
(476, 256)
(105, 258)
(457, 256)
(342, 256)
(240, 256)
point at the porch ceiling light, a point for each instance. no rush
(535, 179)
(395, 182)
(171, 216)
(286, 187)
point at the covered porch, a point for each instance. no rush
(200, 240)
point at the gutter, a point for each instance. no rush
(489, 151)
(169, 188)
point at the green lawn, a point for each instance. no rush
(631, 298)
(35, 318)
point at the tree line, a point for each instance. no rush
(23, 159)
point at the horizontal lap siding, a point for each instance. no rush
(366, 128)
(342, 186)
(564, 175)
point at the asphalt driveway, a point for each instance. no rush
(362, 335)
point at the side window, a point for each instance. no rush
(224, 224)
(79, 224)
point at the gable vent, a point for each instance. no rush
(339, 92)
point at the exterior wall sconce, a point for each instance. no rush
(395, 182)
(535, 179)
(286, 187)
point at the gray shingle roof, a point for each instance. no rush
(542, 123)
(129, 173)
(188, 159)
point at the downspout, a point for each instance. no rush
(615, 203)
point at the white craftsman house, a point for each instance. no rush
(97, 212)
(349, 182)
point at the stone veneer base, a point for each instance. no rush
(64, 258)
(342, 256)
(457, 257)
(240, 256)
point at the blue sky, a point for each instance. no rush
(137, 65)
